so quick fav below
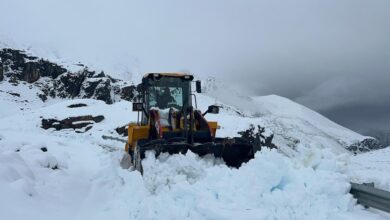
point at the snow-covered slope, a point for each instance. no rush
(293, 125)
(14, 99)
(67, 175)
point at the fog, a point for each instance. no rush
(332, 56)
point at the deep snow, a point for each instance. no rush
(371, 167)
(79, 177)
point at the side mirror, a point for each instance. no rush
(138, 106)
(213, 109)
(198, 86)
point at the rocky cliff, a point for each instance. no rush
(56, 81)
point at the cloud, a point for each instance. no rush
(341, 91)
(327, 55)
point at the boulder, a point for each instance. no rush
(78, 105)
(75, 123)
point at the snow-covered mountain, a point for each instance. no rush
(293, 125)
(75, 174)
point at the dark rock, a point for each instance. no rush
(78, 105)
(72, 122)
(98, 118)
(14, 94)
(13, 80)
(89, 88)
(112, 79)
(381, 136)
(1, 71)
(50, 69)
(365, 146)
(59, 82)
(69, 85)
(257, 138)
(100, 75)
(28, 68)
(103, 92)
(44, 149)
(31, 72)
(43, 97)
(14, 59)
(123, 130)
(87, 128)
(131, 93)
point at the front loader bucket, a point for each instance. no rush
(233, 151)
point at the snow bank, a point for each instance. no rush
(270, 186)
(173, 187)
(78, 176)
(371, 167)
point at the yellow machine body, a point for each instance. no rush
(138, 132)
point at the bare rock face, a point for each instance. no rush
(76, 123)
(131, 93)
(30, 72)
(22, 67)
(365, 146)
(1, 71)
(59, 82)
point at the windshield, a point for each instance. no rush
(166, 97)
(168, 92)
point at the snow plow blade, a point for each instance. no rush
(233, 151)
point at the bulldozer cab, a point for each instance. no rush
(165, 91)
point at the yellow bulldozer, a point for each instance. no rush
(168, 122)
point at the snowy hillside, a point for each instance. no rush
(75, 174)
(30, 82)
(293, 125)
(62, 175)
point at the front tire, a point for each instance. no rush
(137, 163)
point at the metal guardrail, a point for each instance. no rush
(369, 196)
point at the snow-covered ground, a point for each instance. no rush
(14, 99)
(79, 176)
(371, 167)
(294, 126)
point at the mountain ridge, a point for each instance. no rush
(50, 81)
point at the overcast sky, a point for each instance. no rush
(332, 56)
